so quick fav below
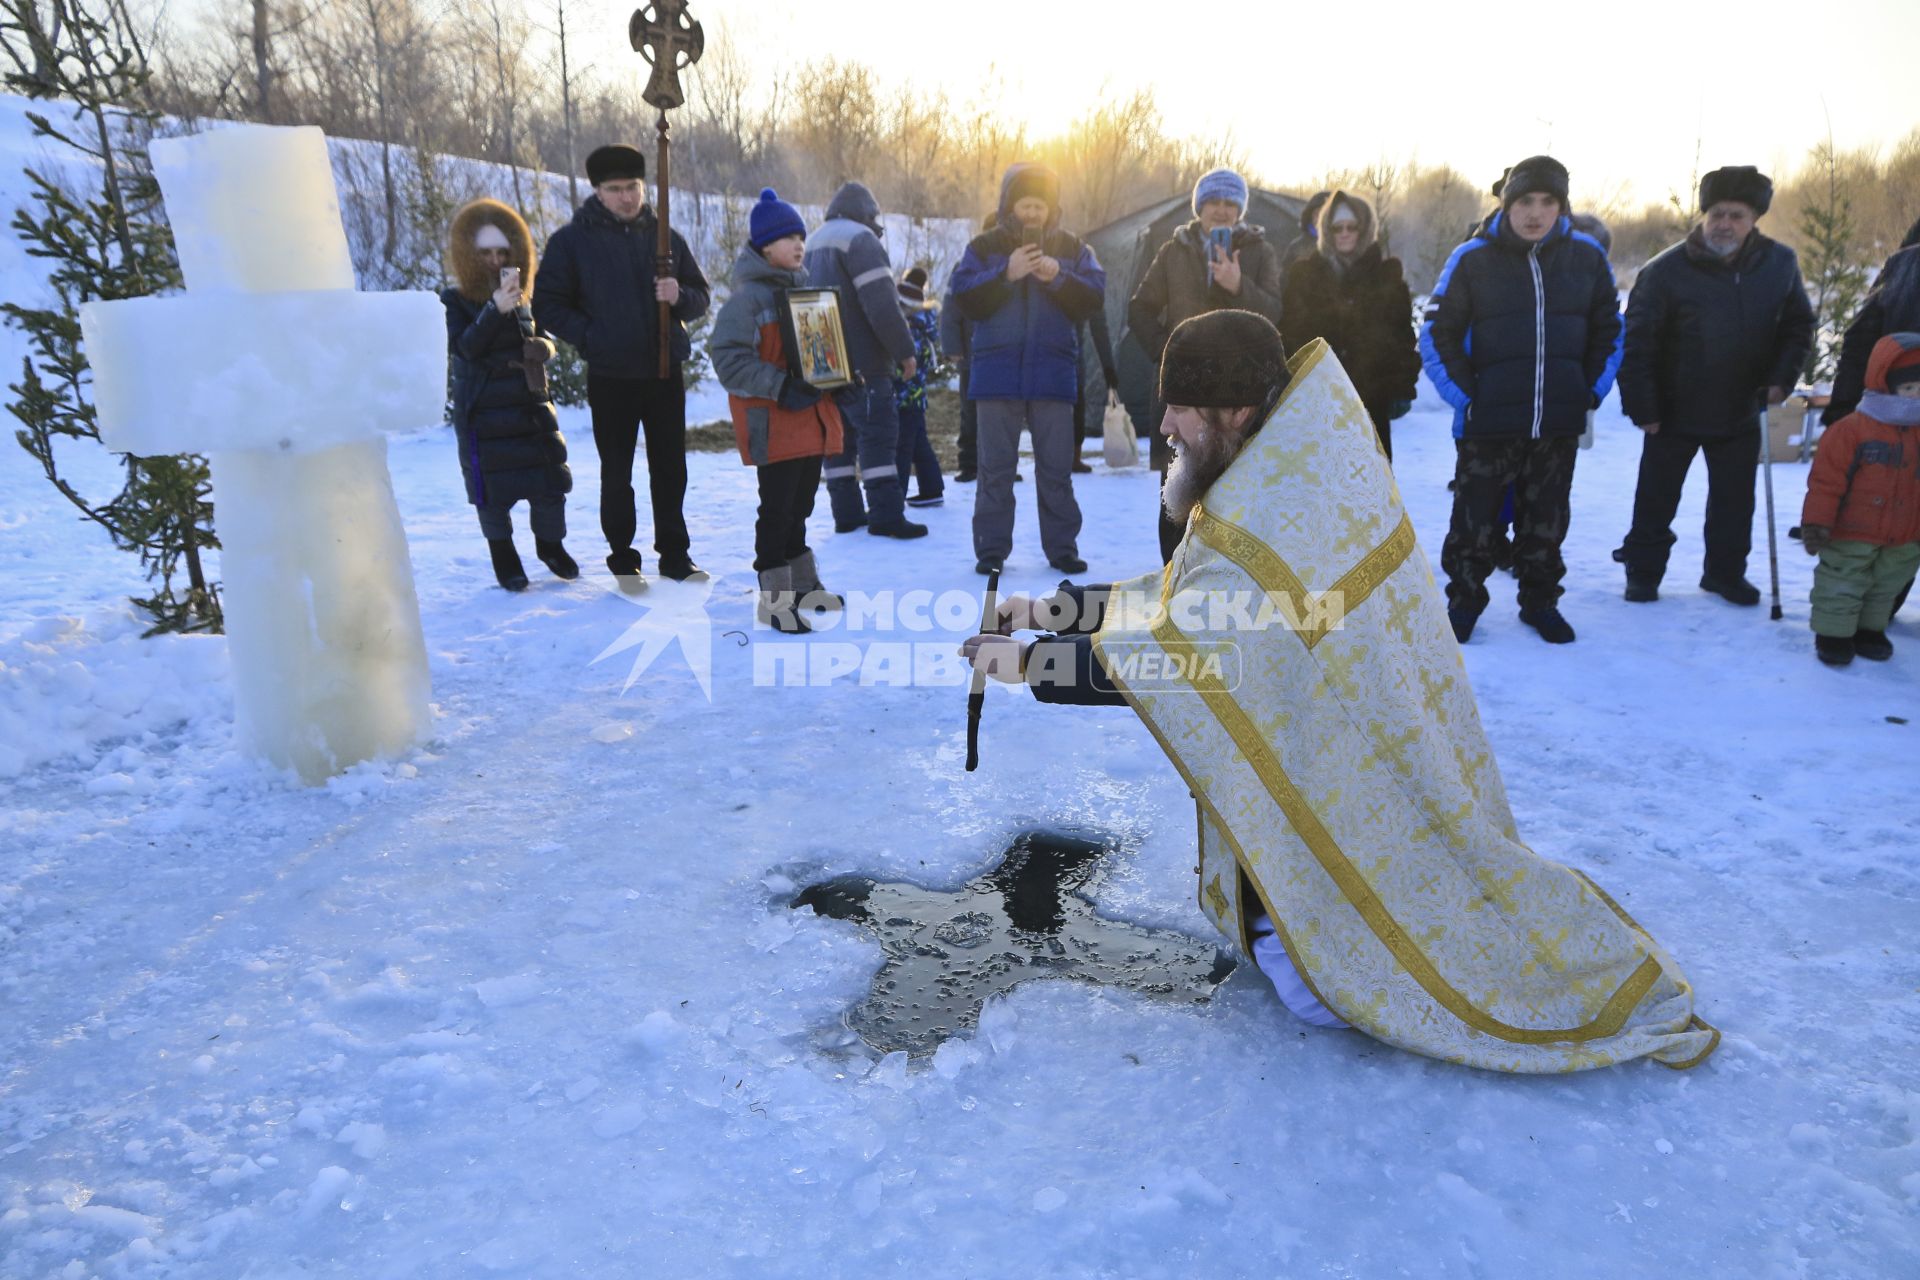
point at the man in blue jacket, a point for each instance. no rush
(1026, 286)
(1522, 338)
(845, 253)
(1713, 324)
(596, 289)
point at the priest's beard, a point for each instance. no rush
(1194, 469)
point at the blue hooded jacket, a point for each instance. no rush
(1024, 338)
(1523, 338)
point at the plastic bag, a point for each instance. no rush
(1122, 450)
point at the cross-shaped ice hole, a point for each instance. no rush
(947, 953)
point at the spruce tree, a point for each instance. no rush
(108, 240)
(1830, 261)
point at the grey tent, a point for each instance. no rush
(1125, 248)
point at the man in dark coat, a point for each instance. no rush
(1354, 296)
(1522, 339)
(1891, 306)
(1714, 324)
(597, 290)
(1190, 276)
(845, 253)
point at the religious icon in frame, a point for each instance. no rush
(816, 344)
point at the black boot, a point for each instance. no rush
(554, 556)
(1553, 628)
(681, 568)
(1872, 645)
(1642, 588)
(507, 569)
(625, 568)
(1835, 651)
(1462, 617)
(1733, 590)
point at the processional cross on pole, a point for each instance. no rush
(670, 42)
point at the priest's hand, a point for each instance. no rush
(1001, 657)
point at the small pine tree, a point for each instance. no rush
(1830, 262)
(102, 244)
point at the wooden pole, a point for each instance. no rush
(663, 250)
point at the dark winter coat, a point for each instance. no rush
(845, 254)
(749, 353)
(1523, 339)
(1865, 481)
(1179, 286)
(595, 289)
(1705, 334)
(510, 442)
(1024, 341)
(1366, 315)
(1893, 306)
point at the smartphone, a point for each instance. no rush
(509, 277)
(1031, 237)
(1222, 238)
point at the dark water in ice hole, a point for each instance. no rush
(949, 952)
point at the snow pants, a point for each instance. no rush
(1051, 422)
(1856, 583)
(873, 442)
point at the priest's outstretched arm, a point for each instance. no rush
(1062, 665)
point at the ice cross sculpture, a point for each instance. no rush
(286, 377)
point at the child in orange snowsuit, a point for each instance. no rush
(1862, 513)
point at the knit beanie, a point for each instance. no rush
(1221, 184)
(614, 162)
(1535, 173)
(1740, 182)
(913, 285)
(772, 219)
(1222, 360)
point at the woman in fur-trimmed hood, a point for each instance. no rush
(511, 448)
(1356, 297)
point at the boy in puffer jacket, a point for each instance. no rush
(1862, 513)
(782, 425)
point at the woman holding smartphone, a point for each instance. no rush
(511, 448)
(1217, 262)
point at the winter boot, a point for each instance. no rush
(807, 586)
(625, 567)
(1835, 651)
(1733, 590)
(681, 568)
(1067, 564)
(1872, 645)
(1462, 617)
(777, 604)
(989, 564)
(901, 528)
(507, 569)
(555, 557)
(1547, 621)
(1642, 588)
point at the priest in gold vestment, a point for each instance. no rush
(1295, 663)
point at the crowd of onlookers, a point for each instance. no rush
(1522, 336)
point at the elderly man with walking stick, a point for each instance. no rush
(1713, 324)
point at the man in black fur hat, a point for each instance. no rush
(597, 290)
(1715, 325)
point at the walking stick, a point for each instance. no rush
(1773, 542)
(977, 693)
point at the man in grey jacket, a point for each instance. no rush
(845, 253)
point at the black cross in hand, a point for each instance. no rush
(949, 953)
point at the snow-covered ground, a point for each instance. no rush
(531, 1002)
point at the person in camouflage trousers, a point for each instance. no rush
(1541, 473)
(910, 394)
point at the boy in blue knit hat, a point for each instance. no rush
(783, 426)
